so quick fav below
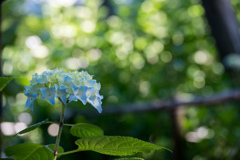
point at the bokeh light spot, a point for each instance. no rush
(7, 68)
(195, 11)
(114, 21)
(144, 87)
(7, 128)
(218, 68)
(73, 63)
(25, 118)
(53, 130)
(88, 26)
(61, 3)
(140, 43)
(83, 12)
(199, 82)
(94, 54)
(138, 62)
(33, 41)
(40, 52)
(166, 56)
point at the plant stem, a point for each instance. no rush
(59, 132)
(69, 152)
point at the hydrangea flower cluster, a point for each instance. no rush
(67, 87)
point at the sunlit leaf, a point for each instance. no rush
(29, 151)
(115, 145)
(32, 127)
(82, 130)
(4, 81)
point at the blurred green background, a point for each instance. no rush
(139, 50)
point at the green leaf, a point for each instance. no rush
(51, 147)
(32, 127)
(4, 81)
(6, 159)
(115, 145)
(132, 158)
(82, 130)
(29, 151)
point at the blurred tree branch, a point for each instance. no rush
(217, 98)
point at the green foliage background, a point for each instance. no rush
(139, 51)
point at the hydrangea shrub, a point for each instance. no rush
(66, 87)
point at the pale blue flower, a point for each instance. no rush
(89, 82)
(85, 74)
(95, 101)
(90, 91)
(78, 81)
(54, 71)
(61, 93)
(72, 97)
(34, 79)
(79, 93)
(32, 89)
(67, 87)
(48, 94)
(31, 98)
(97, 86)
(42, 79)
(66, 82)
